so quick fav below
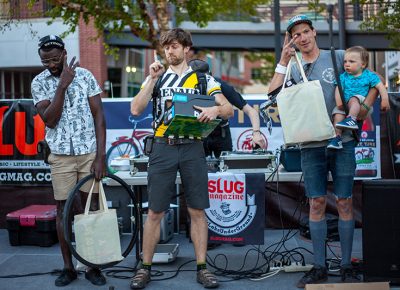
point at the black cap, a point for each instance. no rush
(199, 65)
(51, 41)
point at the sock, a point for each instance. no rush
(146, 266)
(346, 233)
(318, 232)
(353, 117)
(201, 266)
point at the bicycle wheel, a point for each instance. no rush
(123, 149)
(67, 225)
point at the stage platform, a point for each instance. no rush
(23, 260)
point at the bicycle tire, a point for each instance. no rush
(67, 221)
(126, 151)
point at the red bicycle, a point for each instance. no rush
(126, 146)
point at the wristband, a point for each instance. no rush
(280, 69)
(366, 106)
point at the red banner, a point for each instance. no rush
(21, 128)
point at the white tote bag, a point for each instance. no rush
(302, 110)
(96, 233)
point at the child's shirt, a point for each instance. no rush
(359, 85)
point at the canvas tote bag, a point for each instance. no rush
(96, 232)
(302, 110)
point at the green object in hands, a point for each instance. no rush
(189, 127)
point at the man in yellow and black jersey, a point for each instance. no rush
(170, 83)
(168, 156)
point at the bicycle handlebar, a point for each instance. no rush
(134, 121)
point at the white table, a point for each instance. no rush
(140, 179)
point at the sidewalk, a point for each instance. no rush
(31, 259)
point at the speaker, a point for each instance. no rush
(381, 230)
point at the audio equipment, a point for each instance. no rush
(381, 230)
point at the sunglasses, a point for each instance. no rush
(54, 60)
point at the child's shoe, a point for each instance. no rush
(348, 123)
(335, 143)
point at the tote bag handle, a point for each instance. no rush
(102, 198)
(289, 70)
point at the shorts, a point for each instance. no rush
(316, 164)
(336, 110)
(67, 170)
(164, 162)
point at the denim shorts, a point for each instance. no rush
(316, 164)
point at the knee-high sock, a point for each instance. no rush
(346, 233)
(318, 232)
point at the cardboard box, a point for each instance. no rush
(350, 286)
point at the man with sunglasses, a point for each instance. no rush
(67, 98)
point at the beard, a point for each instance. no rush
(174, 60)
(56, 71)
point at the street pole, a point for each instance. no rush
(342, 24)
(277, 21)
(329, 7)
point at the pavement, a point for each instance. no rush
(30, 267)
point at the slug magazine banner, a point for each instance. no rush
(237, 208)
(21, 128)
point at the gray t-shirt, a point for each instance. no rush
(322, 69)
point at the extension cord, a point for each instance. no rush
(297, 267)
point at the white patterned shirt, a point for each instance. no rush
(75, 132)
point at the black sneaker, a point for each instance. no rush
(348, 274)
(66, 277)
(95, 276)
(314, 276)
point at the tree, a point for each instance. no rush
(266, 70)
(383, 15)
(145, 19)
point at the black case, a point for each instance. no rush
(291, 159)
(33, 225)
(182, 104)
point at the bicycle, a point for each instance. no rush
(124, 146)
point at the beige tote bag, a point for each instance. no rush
(96, 233)
(302, 110)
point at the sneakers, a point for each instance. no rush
(348, 274)
(314, 276)
(95, 276)
(141, 279)
(335, 143)
(66, 277)
(348, 123)
(207, 279)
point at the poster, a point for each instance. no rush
(237, 208)
(21, 128)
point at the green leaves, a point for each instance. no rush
(383, 16)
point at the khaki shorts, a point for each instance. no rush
(67, 170)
